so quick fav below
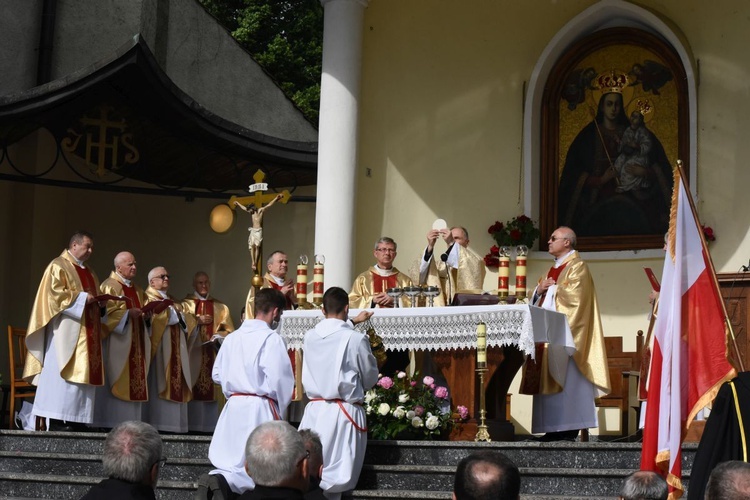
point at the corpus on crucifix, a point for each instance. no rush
(256, 205)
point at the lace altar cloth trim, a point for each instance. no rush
(445, 327)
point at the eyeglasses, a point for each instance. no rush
(386, 250)
(162, 277)
(162, 462)
(555, 238)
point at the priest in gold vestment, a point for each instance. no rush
(170, 380)
(459, 269)
(213, 319)
(277, 266)
(127, 348)
(64, 339)
(369, 290)
(564, 404)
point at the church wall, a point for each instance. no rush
(441, 134)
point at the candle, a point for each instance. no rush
(521, 276)
(301, 286)
(503, 274)
(318, 279)
(481, 343)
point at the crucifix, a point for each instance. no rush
(256, 204)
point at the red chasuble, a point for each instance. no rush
(137, 356)
(176, 384)
(91, 317)
(380, 284)
(204, 385)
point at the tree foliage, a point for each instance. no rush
(283, 36)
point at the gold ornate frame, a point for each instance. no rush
(657, 78)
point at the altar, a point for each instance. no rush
(449, 334)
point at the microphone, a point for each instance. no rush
(444, 257)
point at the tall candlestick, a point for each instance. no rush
(481, 344)
(318, 280)
(503, 275)
(521, 276)
(521, 253)
(301, 286)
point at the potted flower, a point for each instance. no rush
(519, 230)
(405, 408)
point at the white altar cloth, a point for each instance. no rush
(434, 328)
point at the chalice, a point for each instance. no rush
(394, 293)
(413, 292)
(431, 292)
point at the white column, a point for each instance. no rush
(337, 138)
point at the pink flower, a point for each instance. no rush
(419, 410)
(401, 374)
(463, 412)
(385, 382)
(413, 383)
(428, 380)
(441, 392)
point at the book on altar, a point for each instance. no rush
(652, 278)
(157, 306)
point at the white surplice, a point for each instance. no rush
(56, 397)
(338, 365)
(110, 410)
(256, 377)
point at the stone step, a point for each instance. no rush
(65, 465)
(573, 455)
(176, 469)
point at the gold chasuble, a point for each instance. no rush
(372, 282)
(576, 298)
(467, 278)
(78, 343)
(129, 354)
(176, 383)
(202, 356)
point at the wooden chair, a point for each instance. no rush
(19, 388)
(622, 365)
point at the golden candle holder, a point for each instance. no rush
(482, 433)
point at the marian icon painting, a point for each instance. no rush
(615, 122)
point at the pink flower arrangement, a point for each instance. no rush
(385, 382)
(406, 408)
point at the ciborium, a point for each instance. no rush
(394, 293)
(431, 292)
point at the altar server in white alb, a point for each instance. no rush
(256, 377)
(337, 370)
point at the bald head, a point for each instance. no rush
(561, 241)
(201, 283)
(125, 265)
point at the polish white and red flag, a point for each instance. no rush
(689, 360)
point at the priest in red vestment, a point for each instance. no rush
(126, 348)
(213, 320)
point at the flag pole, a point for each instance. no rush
(711, 265)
